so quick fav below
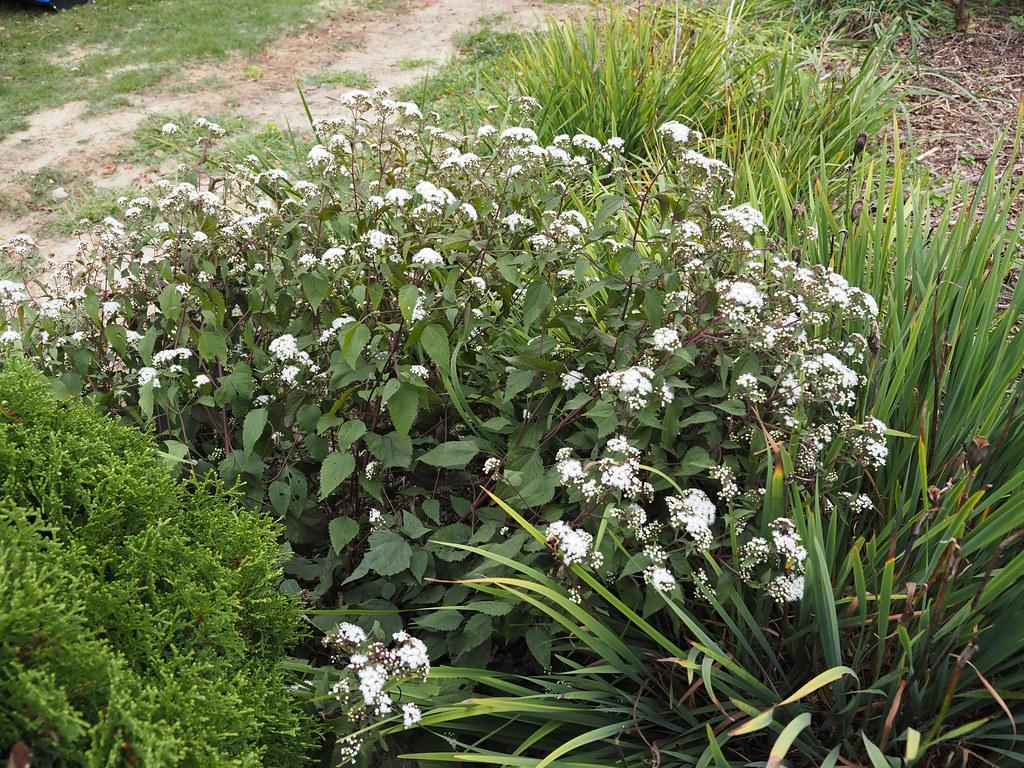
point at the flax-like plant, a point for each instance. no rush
(777, 109)
(950, 356)
(904, 652)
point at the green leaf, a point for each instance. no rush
(611, 204)
(402, 406)
(785, 740)
(353, 341)
(440, 620)
(234, 385)
(478, 630)
(874, 753)
(252, 428)
(117, 337)
(455, 454)
(434, 341)
(491, 607)
(457, 533)
(418, 564)
(170, 303)
(538, 640)
(342, 530)
(733, 407)
(408, 294)
(391, 450)
(412, 526)
(280, 494)
(334, 470)
(695, 460)
(213, 345)
(536, 300)
(349, 432)
(388, 553)
(316, 289)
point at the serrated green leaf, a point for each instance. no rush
(212, 345)
(455, 454)
(402, 405)
(316, 289)
(336, 467)
(388, 553)
(412, 526)
(280, 494)
(342, 530)
(408, 295)
(535, 302)
(434, 341)
(252, 428)
(440, 620)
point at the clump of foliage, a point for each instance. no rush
(777, 111)
(428, 313)
(140, 621)
(904, 650)
(413, 336)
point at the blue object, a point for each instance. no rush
(56, 5)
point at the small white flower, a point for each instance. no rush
(148, 375)
(519, 134)
(572, 379)
(428, 257)
(666, 339)
(572, 546)
(660, 578)
(349, 634)
(678, 133)
(410, 714)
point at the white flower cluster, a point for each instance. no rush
(742, 302)
(693, 513)
(616, 472)
(370, 672)
(784, 551)
(746, 217)
(285, 349)
(666, 340)
(678, 133)
(635, 386)
(571, 545)
(869, 440)
(12, 294)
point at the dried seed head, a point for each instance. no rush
(977, 450)
(859, 144)
(856, 210)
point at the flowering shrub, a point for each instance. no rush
(368, 340)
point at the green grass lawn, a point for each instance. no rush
(110, 48)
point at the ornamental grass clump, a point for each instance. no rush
(140, 620)
(370, 338)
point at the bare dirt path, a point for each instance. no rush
(377, 44)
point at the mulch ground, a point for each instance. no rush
(965, 91)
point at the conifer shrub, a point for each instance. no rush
(140, 619)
